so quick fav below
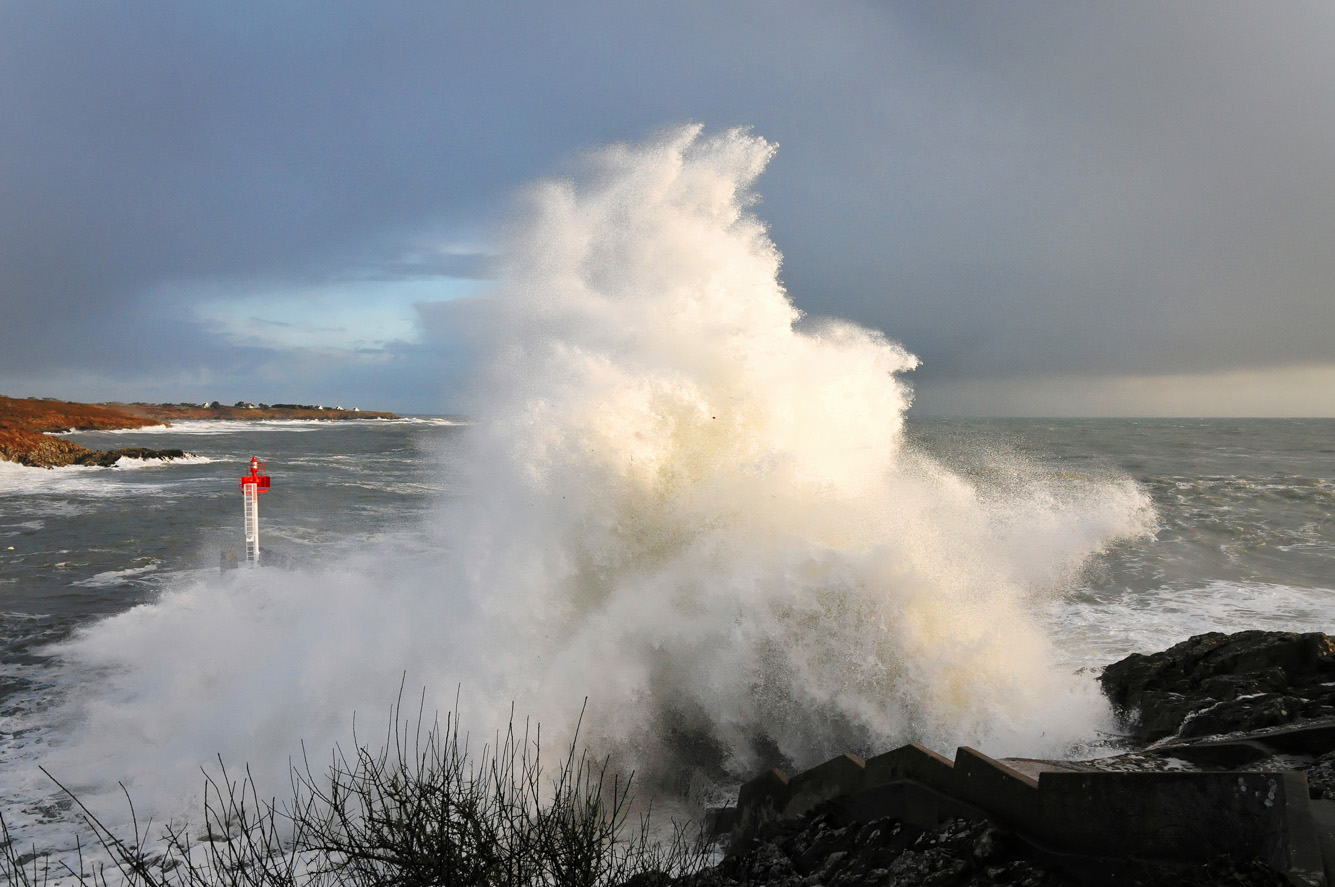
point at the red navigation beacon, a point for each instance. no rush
(255, 479)
(251, 486)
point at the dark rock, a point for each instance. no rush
(1321, 777)
(891, 853)
(108, 458)
(1218, 873)
(926, 867)
(1246, 713)
(1162, 713)
(649, 879)
(769, 864)
(1230, 686)
(835, 863)
(1263, 671)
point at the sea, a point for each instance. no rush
(1242, 537)
(685, 528)
(1245, 509)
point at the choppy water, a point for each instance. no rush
(1245, 536)
(1245, 507)
(79, 543)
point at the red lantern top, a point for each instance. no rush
(259, 481)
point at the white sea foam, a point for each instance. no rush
(681, 507)
(83, 480)
(13, 475)
(145, 429)
(233, 426)
(187, 459)
(116, 577)
(1099, 630)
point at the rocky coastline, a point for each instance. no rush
(27, 426)
(166, 413)
(1215, 684)
(1207, 721)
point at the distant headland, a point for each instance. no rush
(27, 425)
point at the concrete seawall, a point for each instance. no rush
(1092, 823)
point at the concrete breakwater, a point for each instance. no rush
(1248, 798)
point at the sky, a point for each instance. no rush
(1063, 208)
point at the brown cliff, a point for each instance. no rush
(27, 425)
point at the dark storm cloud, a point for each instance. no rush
(1007, 188)
(1184, 153)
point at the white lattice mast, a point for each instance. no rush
(251, 486)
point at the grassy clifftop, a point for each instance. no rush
(166, 413)
(24, 425)
(59, 415)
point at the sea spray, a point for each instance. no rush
(682, 506)
(706, 520)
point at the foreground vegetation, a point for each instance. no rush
(421, 810)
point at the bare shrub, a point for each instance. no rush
(417, 810)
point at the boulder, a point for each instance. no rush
(109, 458)
(1245, 713)
(1221, 683)
(1321, 777)
(820, 848)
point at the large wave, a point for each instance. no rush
(683, 505)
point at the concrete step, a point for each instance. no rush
(1188, 817)
(1323, 817)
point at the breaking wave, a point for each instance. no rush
(682, 506)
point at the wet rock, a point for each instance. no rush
(1219, 873)
(109, 458)
(1231, 686)
(1268, 677)
(1321, 777)
(819, 851)
(926, 867)
(1245, 713)
(883, 853)
(649, 879)
(1162, 713)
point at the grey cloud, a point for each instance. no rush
(1185, 150)
(1006, 188)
